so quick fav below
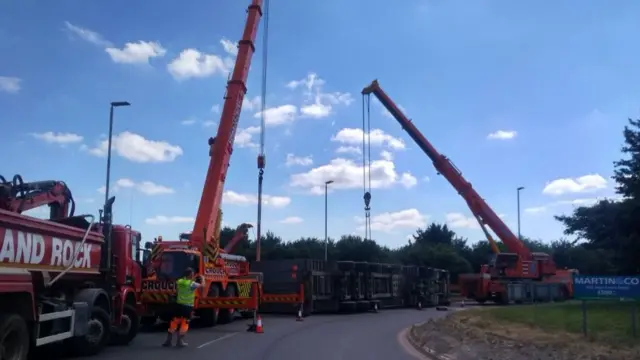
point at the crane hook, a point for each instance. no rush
(367, 200)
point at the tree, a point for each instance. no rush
(610, 227)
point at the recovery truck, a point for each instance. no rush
(518, 275)
(64, 279)
(228, 284)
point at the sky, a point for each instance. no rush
(517, 94)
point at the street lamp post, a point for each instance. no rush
(518, 191)
(326, 237)
(113, 105)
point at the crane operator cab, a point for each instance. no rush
(173, 262)
(503, 262)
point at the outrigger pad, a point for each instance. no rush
(251, 328)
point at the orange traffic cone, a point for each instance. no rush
(299, 316)
(259, 329)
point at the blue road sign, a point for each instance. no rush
(606, 287)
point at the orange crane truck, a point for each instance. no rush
(228, 283)
(518, 275)
(64, 279)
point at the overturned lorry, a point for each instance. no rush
(317, 286)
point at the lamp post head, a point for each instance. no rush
(520, 188)
(120, 103)
(328, 182)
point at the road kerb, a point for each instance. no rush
(426, 351)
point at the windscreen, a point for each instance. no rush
(174, 263)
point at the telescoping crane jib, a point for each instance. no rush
(221, 147)
(520, 263)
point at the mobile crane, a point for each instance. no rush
(228, 283)
(63, 279)
(517, 266)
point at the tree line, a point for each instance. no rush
(606, 235)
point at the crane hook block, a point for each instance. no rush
(367, 199)
(261, 161)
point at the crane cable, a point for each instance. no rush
(366, 162)
(263, 107)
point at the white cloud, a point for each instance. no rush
(188, 122)
(460, 221)
(502, 135)
(426, 179)
(389, 221)
(136, 148)
(280, 115)
(407, 180)
(244, 137)
(9, 84)
(346, 174)
(251, 103)
(298, 160)
(87, 35)
(232, 197)
(535, 209)
(145, 187)
(292, 220)
(192, 63)
(353, 136)
(574, 202)
(582, 184)
(318, 104)
(164, 220)
(229, 46)
(386, 155)
(58, 138)
(316, 110)
(349, 150)
(136, 52)
(215, 109)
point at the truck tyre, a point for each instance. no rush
(131, 326)
(14, 337)
(225, 316)
(98, 337)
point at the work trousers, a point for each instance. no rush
(180, 319)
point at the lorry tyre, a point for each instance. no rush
(14, 337)
(98, 337)
(129, 327)
(225, 316)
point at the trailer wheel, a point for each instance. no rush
(14, 337)
(129, 328)
(98, 337)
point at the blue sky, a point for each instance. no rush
(554, 83)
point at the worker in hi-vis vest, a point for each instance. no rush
(185, 298)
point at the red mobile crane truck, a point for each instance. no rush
(228, 283)
(65, 279)
(516, 275)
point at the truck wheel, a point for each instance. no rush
(98, 337)
(14, 337)
(225, 316)
(128, 328)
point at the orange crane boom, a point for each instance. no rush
(221, 147)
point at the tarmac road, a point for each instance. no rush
(319, 337)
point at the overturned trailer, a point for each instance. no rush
(317, 286)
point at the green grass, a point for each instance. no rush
(607, 321)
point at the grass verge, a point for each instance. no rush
(608, 322)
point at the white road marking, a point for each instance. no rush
(216, 340)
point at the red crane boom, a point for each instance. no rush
(444, 166)
(19, 196)
(221, 147)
